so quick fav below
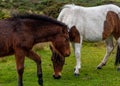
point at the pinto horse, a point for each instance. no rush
(94, 24)
(19, 33)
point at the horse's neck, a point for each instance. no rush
(43, 31)
(46, 35)
(43, 39)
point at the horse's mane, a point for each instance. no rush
(37, 17)
(68, 5)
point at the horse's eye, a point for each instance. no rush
(67, 39)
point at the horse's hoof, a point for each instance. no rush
(76, 75)
(118, 69)
(41, 84)
(99, 67)
(57, 77)
(20, 84)
(40, 81)
(74, 69)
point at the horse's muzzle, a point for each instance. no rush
(57, 77)
(67, 54)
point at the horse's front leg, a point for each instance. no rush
(37, 59)
(20, 57)
(77, 48)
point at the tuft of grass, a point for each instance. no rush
(92, 54)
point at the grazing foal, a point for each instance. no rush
(94, 24)
(19, 33)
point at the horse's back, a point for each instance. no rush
(72, 12)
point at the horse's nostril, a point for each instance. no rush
(57, 77)
(67, 54)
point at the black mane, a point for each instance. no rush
(37, 17)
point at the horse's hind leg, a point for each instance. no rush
(37, 59)
(117, 59)
(20, 57)
(109, 49)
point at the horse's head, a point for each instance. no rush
(60, 49)
(58, 62)
(61, 43)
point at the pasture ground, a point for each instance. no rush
(92, 54)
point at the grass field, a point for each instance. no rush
(92, 54)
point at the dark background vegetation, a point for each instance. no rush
(47, 7)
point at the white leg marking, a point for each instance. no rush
(77, 51)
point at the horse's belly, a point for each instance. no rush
(92, 37)
(5, 51)
(93, 29)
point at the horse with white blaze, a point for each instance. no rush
(93, 24)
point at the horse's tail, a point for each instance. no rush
(117, 61)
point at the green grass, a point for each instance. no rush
(92, 54)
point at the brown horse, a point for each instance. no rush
(19, 33)
(57, 59)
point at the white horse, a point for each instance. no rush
(92, 26)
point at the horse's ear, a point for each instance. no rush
(52, 48)
(65, 30)
(119, 15)
(74, 35)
